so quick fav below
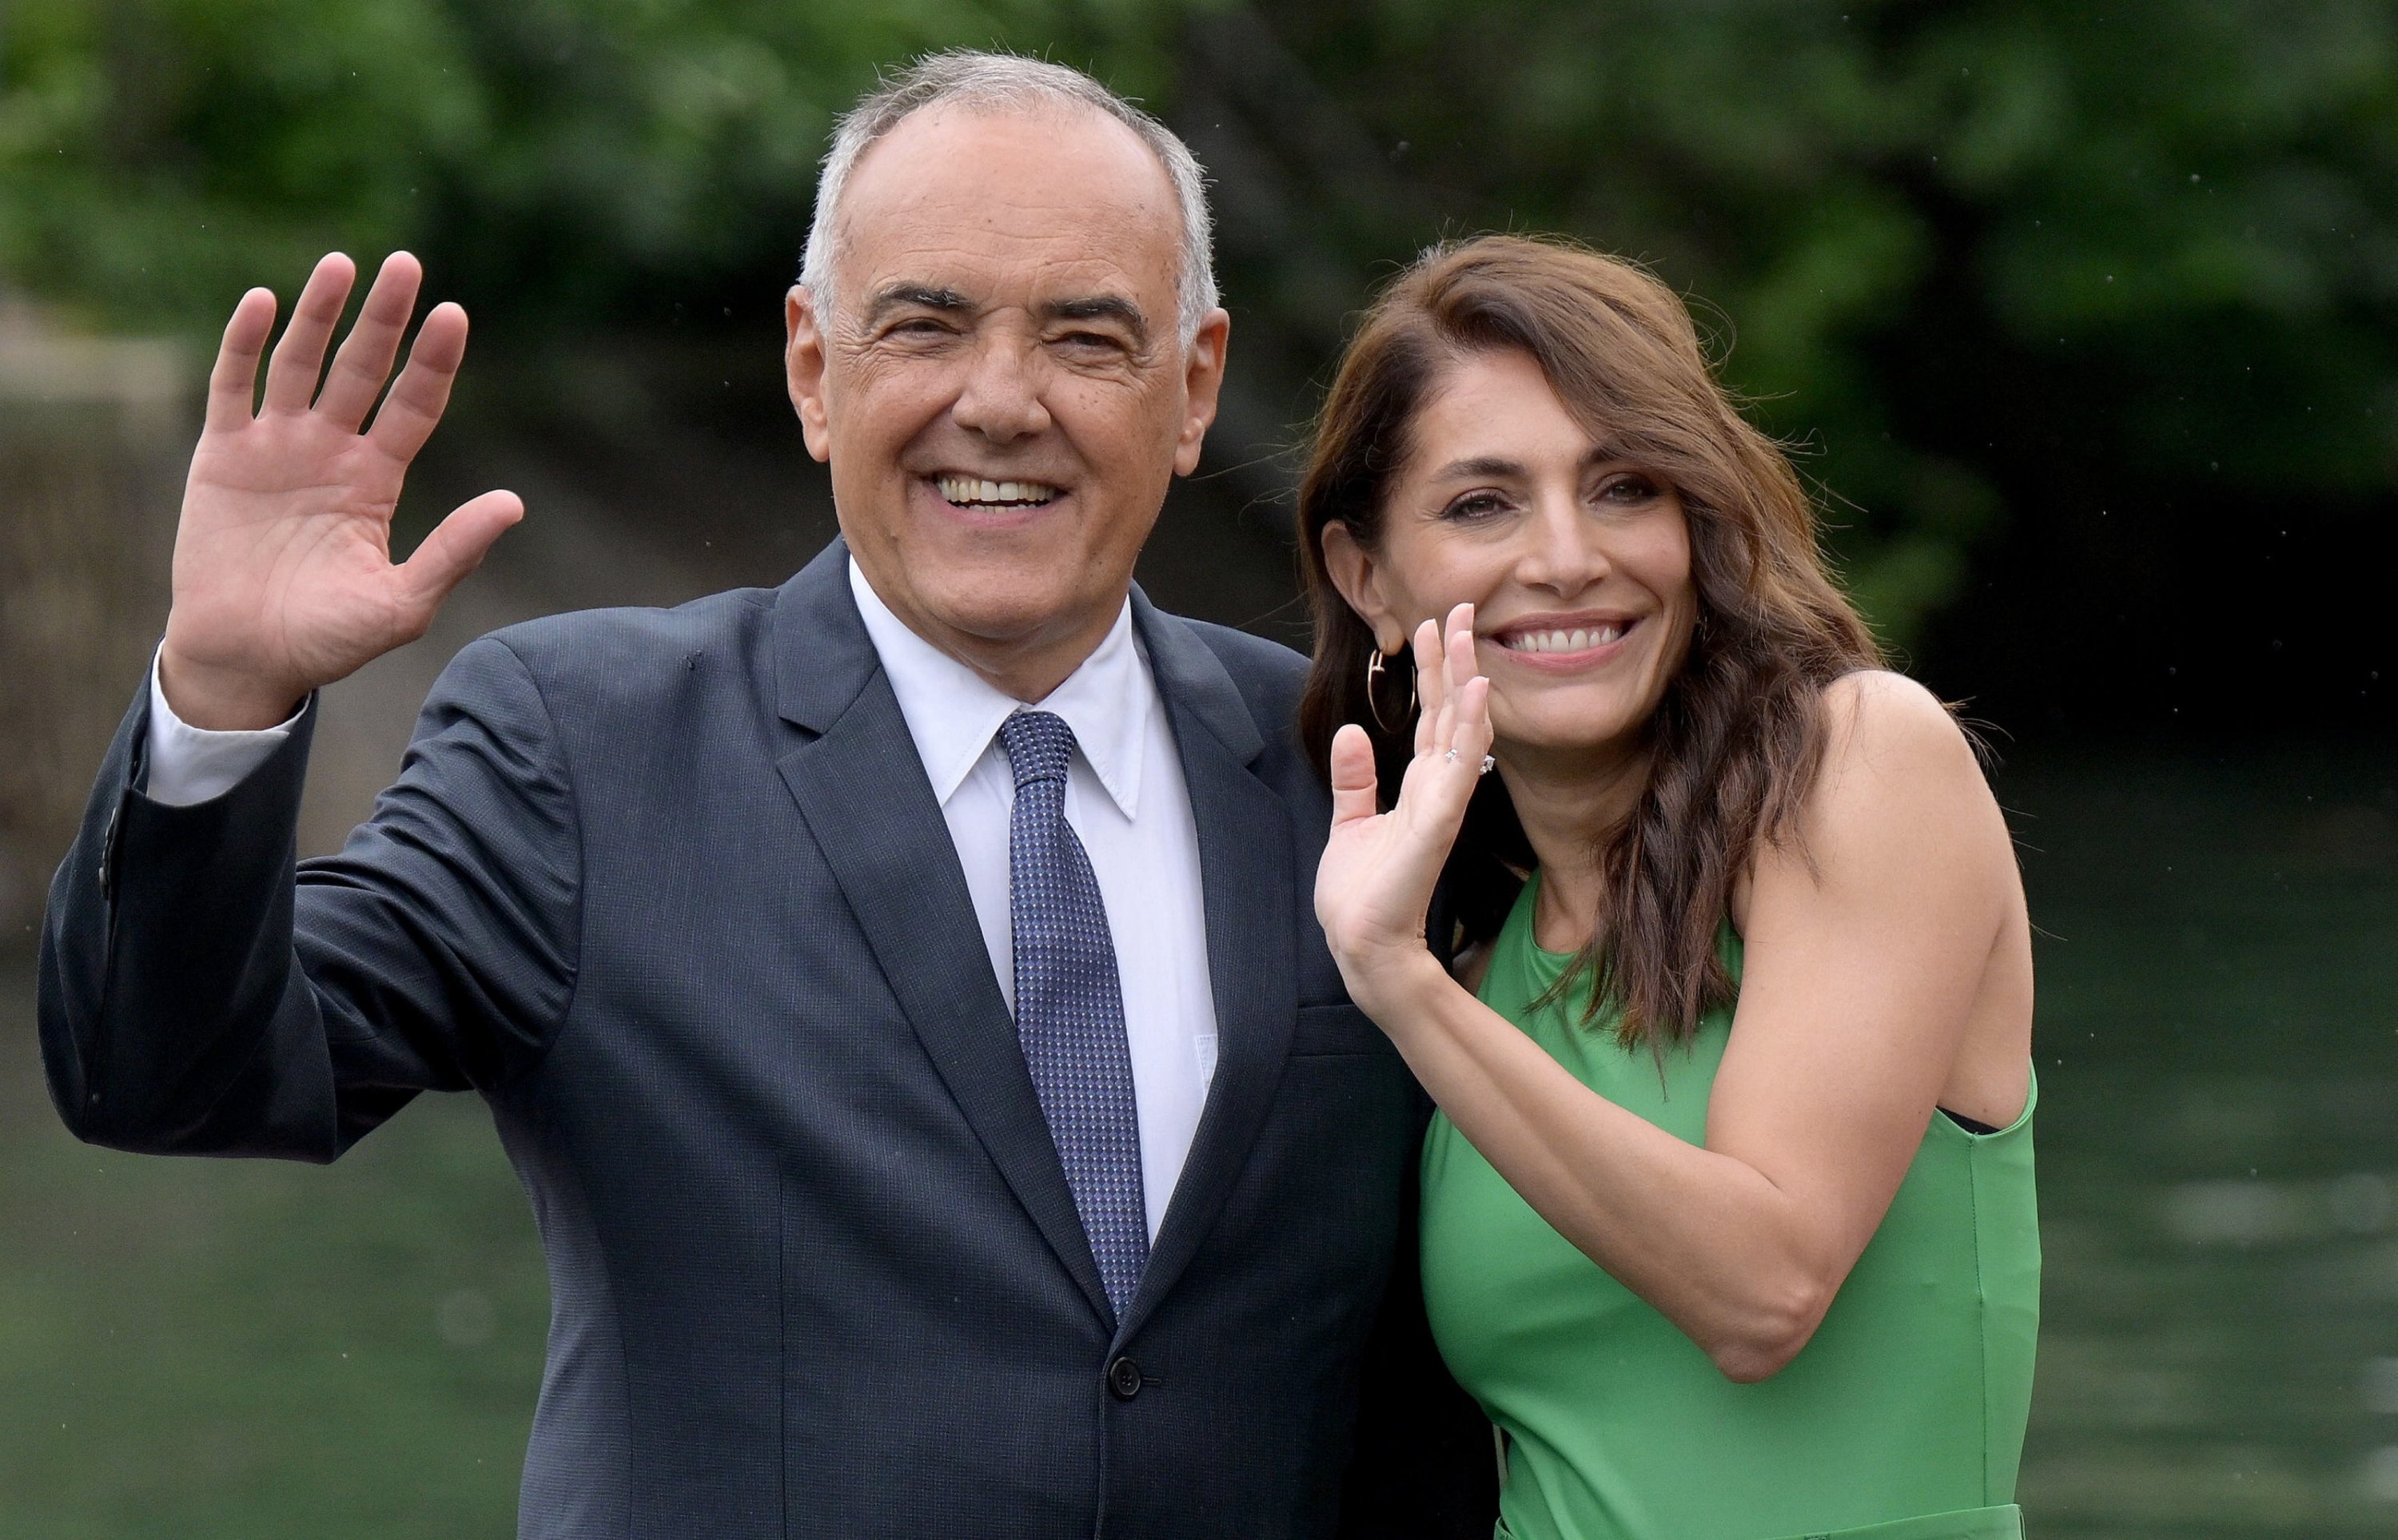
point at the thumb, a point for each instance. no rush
(456, 547)
(1353, 776)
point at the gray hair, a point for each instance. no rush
(1010, 83)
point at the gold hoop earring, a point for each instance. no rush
(1375, 668)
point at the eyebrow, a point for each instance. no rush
(1475, 466)
(891, 297)
(949, 302)
(1100, 307)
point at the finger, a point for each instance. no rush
(1462, 668)
(456, 547)
(1474, 732)
(1432, 686)
(1456, 760)
(291, 376)
(1437, 667)
(1461, 665)
(1353, 776)
(364, 362)
(413, 409)
(233, 383)
(1433, 795)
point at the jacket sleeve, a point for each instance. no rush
(202, 995)
(1423, 1466)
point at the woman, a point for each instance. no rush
(1728, 1216)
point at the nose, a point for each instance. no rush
(1561, 551)
(1002, 397)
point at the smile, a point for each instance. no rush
(967, 491)
(1561, 640)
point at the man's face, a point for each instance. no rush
(997, 379)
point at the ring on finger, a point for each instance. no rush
(1489, 763)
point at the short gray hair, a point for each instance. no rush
(1003, 82)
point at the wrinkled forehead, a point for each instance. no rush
(1008, 205)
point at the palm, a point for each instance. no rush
(281, 524)
(1377, 876)
(283, 573)
(1378, 870)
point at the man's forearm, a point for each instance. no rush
(168, 1019)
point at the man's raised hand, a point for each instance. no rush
(284, 580)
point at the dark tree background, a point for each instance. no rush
(2085, 317)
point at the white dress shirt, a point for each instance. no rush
(1125, 798)
(1126, 802)
(185, 764)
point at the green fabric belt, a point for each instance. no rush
(2004, 1523)
(1998, 1523)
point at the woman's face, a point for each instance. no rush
(1576, 560)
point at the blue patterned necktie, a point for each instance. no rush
(1070, 1004)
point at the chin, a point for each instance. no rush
(1587, 730)
(1000, 603)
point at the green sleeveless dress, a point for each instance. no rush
(1902, 1419)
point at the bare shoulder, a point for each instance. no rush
(1898, 791)
(1901, 791)
(1883, 727)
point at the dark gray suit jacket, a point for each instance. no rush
(670, 890)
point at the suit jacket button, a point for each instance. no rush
(1123, 1378)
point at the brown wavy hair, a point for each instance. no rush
(1737, 739)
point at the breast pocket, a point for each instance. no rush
(1328, 1029)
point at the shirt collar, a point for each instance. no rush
(953, 713)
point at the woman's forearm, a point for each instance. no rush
(1712, 1243)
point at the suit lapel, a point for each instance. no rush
(861, 787)
(1247, 892)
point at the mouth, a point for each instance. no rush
(980, 495)
(1569, 641)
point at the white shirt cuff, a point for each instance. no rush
(187, 764)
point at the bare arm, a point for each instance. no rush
(1860, 979)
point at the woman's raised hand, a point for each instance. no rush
(283, 573)
(1379, 869)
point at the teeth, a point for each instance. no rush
(1564, 641)
(968, 492)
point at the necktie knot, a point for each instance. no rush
(1039, 746)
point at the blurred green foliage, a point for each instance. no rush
(161, 154)
(1976, 255)
(1980, 255)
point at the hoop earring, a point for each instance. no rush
(1375, 668)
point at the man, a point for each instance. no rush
(898, 991)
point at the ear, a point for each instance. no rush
(1354, 572)
(803, 369)
(1203, 381)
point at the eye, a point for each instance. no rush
(1475, 507)
(1628, 490)
(919, 328)
(1089, 342)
